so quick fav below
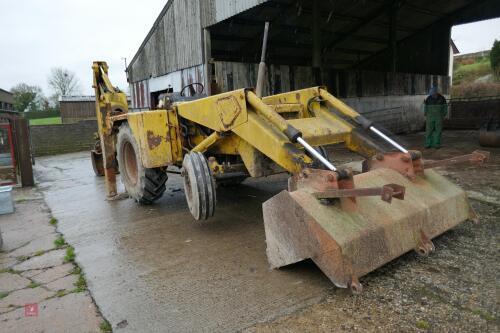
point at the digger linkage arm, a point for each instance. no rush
(359, 119)
(291, 132)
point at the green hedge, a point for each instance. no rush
(42, 114)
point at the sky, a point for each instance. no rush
(36, 35)
(475, 37)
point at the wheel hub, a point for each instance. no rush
(131, 170)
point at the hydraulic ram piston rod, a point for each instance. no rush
(315, 153)
(291, 132)
(365, 123)
(389, 140)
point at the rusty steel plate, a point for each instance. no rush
(349, 244)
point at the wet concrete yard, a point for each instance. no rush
(154, 269)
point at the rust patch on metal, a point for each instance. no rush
(153, 140)
(399, 162)
(477, 157)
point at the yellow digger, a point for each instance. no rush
(348, 224)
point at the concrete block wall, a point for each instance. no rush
(397, 114)
(65, 138)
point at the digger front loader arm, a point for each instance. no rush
(259, 123)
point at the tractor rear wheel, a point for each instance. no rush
(142, 184)
(199, 186)
(96, 157)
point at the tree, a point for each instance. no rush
(28, 98)
(495, 57)
(63, 82)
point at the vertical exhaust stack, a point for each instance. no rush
(262, 65)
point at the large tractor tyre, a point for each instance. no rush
(143, 185)
(97, 161)
(199, 186)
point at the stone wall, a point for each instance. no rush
(65, 138)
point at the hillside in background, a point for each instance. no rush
(474, 77)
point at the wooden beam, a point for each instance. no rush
(344, 17)
(450, 17)
(374, 15)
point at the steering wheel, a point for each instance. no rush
(192, 89)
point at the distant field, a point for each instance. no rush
(468, 73)
(46, 121)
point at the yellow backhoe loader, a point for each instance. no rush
(347, 224)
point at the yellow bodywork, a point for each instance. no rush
(220, 113)
(156, 132)
(257, 132)
(241, 124)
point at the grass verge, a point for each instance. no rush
(46, 121)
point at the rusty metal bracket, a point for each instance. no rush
(477, 157)
(386, 192)
(400, 162)
(425, 246)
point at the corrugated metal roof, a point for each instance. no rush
(80, 98)
(77, 99)
(5, 91)
(226, 8)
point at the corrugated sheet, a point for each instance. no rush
(187, 33)
(77, 99)
(173, 43)
(175, 40)
(224, 9)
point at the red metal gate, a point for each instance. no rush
(8, 174)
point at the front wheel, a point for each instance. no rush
(199, 186)
(142, 184)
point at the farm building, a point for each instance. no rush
(6, 100)
(381, 57)
(77, 108)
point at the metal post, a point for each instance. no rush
(207, 55)
(262, 65)
(24, 153)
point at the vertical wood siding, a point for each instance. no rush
(174, 43)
